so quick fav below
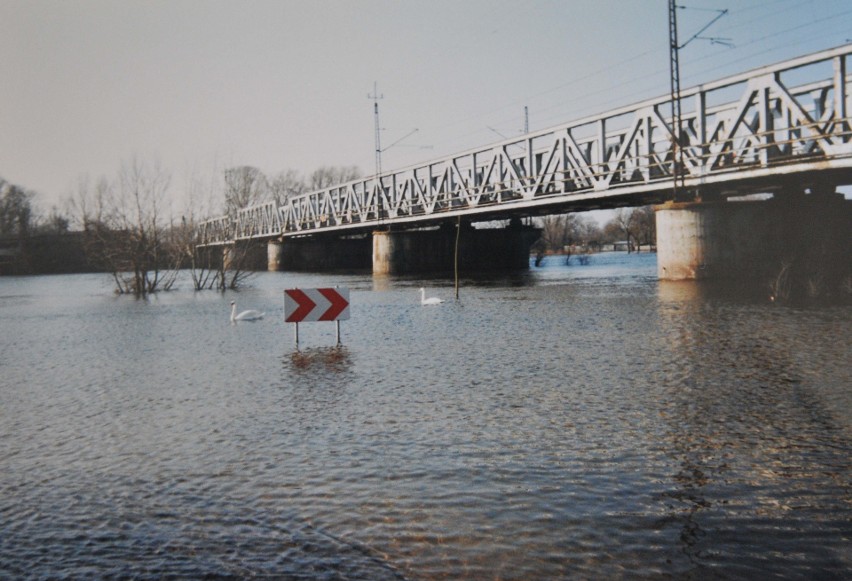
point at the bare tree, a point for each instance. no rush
(563, 230)
(590, 233)
(635, 225)
(235, 266)
(124, 229)
(228, 267)
(209, 267)
(327, 176)
(286, 185)
(553, 232)
(645, 226)
(625, 223)
(204, 264)
(244, 186)
(54, 223)
(16, 211)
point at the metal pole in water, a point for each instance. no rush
(337, 322)
(456, 257)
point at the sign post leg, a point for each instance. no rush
(297, 335)
(338, 332)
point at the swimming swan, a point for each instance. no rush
(430, 300)
(250, 315)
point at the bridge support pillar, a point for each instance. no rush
(418, 251)
(274, 255)
(322, 253)
(243, 256)
(229, 253)
(805, 236)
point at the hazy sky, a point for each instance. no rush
(199, 85)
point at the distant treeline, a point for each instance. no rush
(31, 243)
(45, 254)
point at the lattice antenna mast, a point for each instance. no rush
(677, 117)
(375, 96)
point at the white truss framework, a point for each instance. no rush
(789, 118)
(215, 231)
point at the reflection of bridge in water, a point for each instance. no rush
(782, 129)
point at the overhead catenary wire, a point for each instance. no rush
(645, 84)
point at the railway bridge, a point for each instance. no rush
(782, 130)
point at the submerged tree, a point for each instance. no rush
(210, 268)
(216, 267)
(555, 232)
(124, 228)
(645, 221)
(229, 266)
(637, 226)
(561, 232)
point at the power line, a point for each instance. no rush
(760, 12)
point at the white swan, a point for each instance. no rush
(249, 315)
(430, 300)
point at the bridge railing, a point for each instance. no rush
(796, 112)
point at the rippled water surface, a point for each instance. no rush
(572, 422)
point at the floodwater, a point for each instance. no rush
(573, 422)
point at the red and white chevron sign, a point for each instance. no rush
(316, 304)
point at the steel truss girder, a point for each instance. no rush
(215, 231)
(787, 118)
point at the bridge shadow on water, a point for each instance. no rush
(742, 455)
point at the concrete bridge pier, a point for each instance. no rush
(808, 235)
(274, 255)
(419, 251)
(229, 256)
(243, 255)
(321, 253)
